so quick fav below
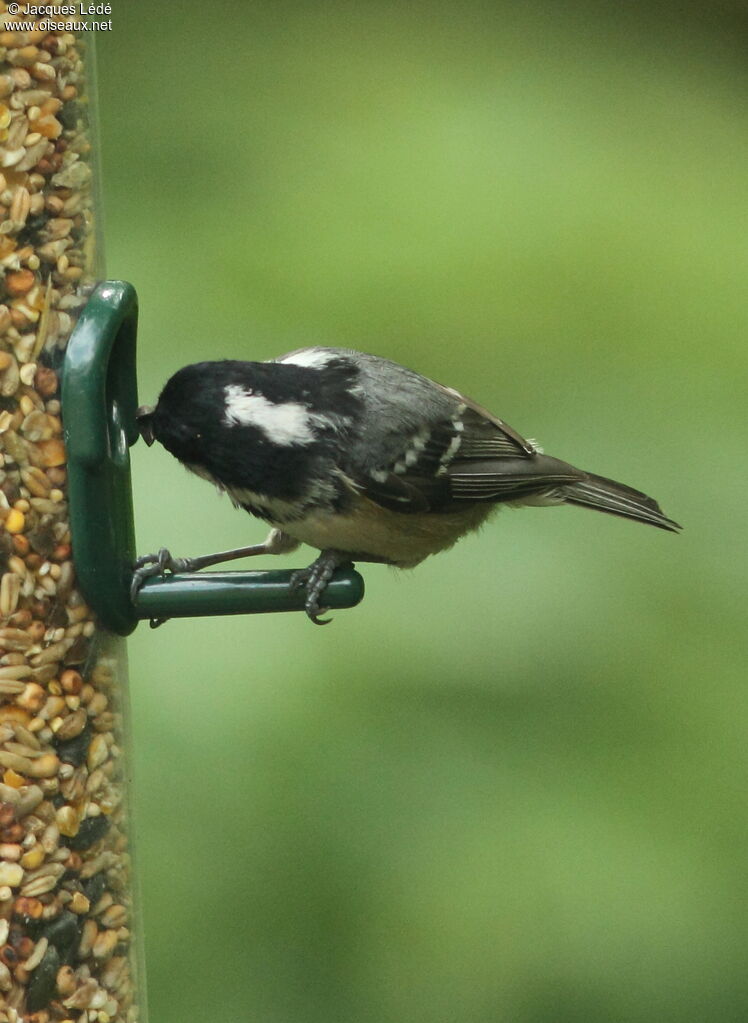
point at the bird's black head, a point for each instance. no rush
(188, 410)
(262, 427)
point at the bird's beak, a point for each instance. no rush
(144, 419)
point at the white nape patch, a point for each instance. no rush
(312, 358)
(287, 424)
(536, 448)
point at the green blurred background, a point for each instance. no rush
(510, 786)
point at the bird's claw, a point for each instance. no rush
(314, 579)
(305, 577)
(313, 614)
(149, 565)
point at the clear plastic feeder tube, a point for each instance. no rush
(68, 935)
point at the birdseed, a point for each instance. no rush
(66, 914)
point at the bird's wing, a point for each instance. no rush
(468, 455)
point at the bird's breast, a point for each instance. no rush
(394, 537)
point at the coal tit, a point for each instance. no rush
(359, 457)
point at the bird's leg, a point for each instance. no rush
(149, 565)
(315, 578)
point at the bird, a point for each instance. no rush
(358, 457)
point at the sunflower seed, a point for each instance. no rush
(37, 955)
(10, 590)
(10, 688)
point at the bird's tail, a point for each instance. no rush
(617, 499)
